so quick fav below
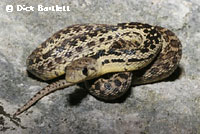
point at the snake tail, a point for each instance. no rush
(45, 91)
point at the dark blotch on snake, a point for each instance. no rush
(107, 86)
(117, 82)
(97, 86)
(122, 75)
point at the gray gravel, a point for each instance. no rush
(167, 107)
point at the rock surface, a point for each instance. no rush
(171, 106)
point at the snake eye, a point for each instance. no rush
(85, 71)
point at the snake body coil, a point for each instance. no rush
(134, 52)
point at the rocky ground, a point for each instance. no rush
(168, 107)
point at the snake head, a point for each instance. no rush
(81, 70)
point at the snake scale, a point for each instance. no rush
(130, 53)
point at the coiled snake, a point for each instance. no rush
(134, 53)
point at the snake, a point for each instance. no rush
(114, 56)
